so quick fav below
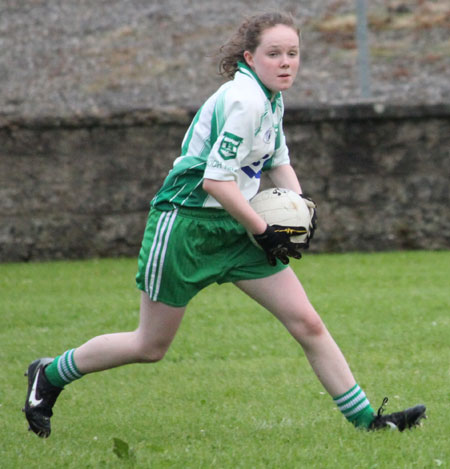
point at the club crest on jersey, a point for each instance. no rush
(267, 136)
(229, 145)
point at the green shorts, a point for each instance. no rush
(185, 250)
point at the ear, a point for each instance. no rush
(248, 56)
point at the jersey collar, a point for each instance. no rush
(246, 70)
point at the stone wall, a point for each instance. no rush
(77, 188)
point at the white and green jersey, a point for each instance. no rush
(235, 135)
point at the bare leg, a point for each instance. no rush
(148, 343)
(283, 295)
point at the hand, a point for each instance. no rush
(312, 215)
(275, 241)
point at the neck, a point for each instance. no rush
(271, 95)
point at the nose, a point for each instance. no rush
(285, 61)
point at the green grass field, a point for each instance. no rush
(235, 390)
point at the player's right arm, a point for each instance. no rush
(274, 242)
(227, 193)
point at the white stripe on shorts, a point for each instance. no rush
(163, 254)
(154, 268)
(154, 244)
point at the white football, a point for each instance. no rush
(283, 207)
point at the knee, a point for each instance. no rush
(149, 353)
(307, 326)
(152, 357)
(314, 325)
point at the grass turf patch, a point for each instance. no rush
(234, 390)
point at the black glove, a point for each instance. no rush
(276, 242)
(313, 216)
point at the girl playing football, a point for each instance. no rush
(196, 233)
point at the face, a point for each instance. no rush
(276, 60)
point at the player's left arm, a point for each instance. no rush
(279, 168)
(284, 176)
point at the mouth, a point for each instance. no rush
(284, 75)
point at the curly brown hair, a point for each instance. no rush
(247, 37)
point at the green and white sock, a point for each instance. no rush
(62, 370)
(356, 407)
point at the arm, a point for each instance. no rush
(227, 193)
(284, 177)
(276, 243)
